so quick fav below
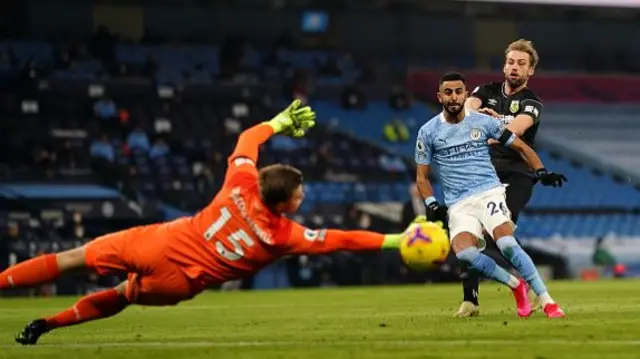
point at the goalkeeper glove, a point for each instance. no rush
(294, 121)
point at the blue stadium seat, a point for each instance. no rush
(588, 226)
(368, 124)
(584, 189)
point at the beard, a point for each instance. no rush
(517, 82)
(453, 112)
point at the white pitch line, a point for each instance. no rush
(238, 344)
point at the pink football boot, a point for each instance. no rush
(553, 310)
(521, 295)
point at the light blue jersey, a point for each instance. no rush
(460, 154)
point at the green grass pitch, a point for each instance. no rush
(376, 322)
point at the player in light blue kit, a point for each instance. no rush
(456, 143)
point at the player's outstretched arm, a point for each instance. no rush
(527, 152)
(509, 139)
(542, 174)
(531, 112)
(422, 181)
(520, 124)
(294, 121)
(301, 240)
(435, 211)
(423, 158)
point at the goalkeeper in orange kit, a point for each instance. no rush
(241, 231)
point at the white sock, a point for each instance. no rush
(545, 299)
(513, 282)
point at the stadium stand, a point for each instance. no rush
(198, 147)
(369, 123)
(175, 180)
(592, 189)
(605, 135)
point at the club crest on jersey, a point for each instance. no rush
(515, 106)
(476, 134)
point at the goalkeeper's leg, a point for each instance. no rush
(93, 306)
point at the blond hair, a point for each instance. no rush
(524, 46)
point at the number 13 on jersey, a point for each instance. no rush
(237, 238)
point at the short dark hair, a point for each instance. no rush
(452, 76)
(277, 183)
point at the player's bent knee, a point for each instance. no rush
(72, 260)
(505, 229)
(506, 242)
(468, 255)
(463, 241)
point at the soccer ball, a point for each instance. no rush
(424, 246)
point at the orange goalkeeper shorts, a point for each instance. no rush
(140, 251)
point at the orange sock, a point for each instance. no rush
(90, 307)
(38, 270)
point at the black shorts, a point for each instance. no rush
(519, 191)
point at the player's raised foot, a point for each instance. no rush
(553, 310)
(32, 332)
(521, 295)
(467, 309)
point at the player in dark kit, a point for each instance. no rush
(519, 109)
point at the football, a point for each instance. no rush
(424, 246)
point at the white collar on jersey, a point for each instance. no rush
(444, 120)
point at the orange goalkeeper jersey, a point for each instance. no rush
(236, 235)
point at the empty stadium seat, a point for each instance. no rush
(579, 226)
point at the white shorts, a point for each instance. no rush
(486, 210)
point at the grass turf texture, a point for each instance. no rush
(376, 322)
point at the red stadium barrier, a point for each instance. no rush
(550, 87)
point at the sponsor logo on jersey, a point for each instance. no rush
(532, 110)
(313, 235)
(492, 102)
(515, 106)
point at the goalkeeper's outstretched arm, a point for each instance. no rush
(250, 141)
(293, 121)
(252, 138)
(300, 240)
